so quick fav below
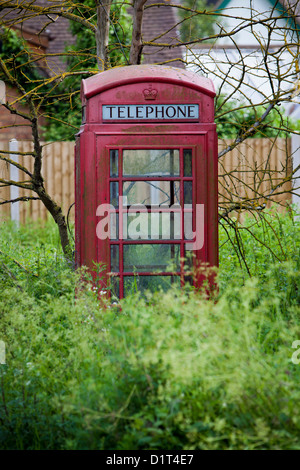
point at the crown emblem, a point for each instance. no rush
(150, 93)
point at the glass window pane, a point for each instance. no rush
(114, 162)
(189, 257)
(148, 258)
(189, 280)
(170, 226)
(153, 283)
(114, 193)
(188, 192)
(188, 225)
(187, 162)
(114, 226)
(114, 258)
(115, 287)
(151, 162)
(152, 192)
(189, 270)
(137, 226)
(152, 226)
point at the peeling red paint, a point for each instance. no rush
(127, 86)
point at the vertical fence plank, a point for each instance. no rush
(14, 176)
(27, 162)
(48, 170)
(286, 167)
(4, 192)
(57, 172)
(295, 166)
(22, 176)
(65, 159)
(72, 179)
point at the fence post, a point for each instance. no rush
(14, 175)
(295, 151)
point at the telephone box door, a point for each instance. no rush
(152, 210)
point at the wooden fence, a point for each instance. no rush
(256, 170)
(57, 171)
(254, 167)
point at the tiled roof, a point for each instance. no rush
(57, 31)
(157, 20)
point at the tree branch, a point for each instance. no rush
(17, 165)
(249, 131)
(20, 199)
(136, 42)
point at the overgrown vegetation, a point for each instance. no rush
(165, 371)
(195, 25)
(65, 102)
(233, 120)
(62, 100)
(13, 48)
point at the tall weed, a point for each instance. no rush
(163, 371)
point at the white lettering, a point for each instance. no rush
(199, 234)
(118, 460)
(160, 222)
(108, 221)
(2, 352)
(138, 227)
(295, 358)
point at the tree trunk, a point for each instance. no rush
(102, 33)
(59, 218)
(136, 42)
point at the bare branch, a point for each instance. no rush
(20, 199)
(248, 132)
(17, 165)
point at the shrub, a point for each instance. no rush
(163, 371)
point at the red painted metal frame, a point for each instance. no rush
(96, 138)
(144, 74)
(120, 210)
(199, 174)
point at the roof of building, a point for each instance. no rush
(286, 6)
(155, 21)
(56, 29)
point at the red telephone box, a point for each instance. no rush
(146, 177)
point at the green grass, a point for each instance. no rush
(164, 371)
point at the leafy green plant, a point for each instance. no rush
(233, 119)
(196, 25)
(62, 100)
(170, 370)
(65, 103)
(13, 48)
